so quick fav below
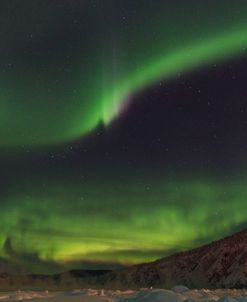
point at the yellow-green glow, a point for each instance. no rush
(124, 229)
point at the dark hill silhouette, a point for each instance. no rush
(220, 264)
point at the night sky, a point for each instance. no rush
(122, 130)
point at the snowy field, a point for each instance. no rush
(178, 294)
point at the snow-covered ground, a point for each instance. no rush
(178, 294)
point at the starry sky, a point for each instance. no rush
(122, 130)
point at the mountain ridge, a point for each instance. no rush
(221, 263)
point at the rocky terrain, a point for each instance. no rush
(220, 264)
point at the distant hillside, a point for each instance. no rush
(67, 280)
(220, 264)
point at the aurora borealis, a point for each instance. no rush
(123, 130)
(97, 67)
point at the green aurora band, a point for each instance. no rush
(148, 223)
(40, 106)
(57, 221)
